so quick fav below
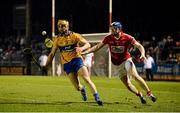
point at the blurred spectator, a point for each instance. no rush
(22, 40)
(161, 46)
(168, 48)
(148, 66)
(43, 59)
(178, 44)
(178, 57)
(153, 42)
(154, 49)
(171, 59)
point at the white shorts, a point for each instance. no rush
(127, 68)
(87, 63)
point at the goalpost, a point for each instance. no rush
(53, 33)
(95, 38)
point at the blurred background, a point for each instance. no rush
(155, 24)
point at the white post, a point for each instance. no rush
(110, 12)
(53, 33)
(109, 54)
(109, 65)
(53, 18)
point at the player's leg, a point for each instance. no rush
(126, 81)
(139, 79)
(81, 70)
(151, 74)
(85, 75)
(132, 71)
(72, 74)
(125, 78)
(75, 81)
(89, 70)
(78, 86)
(88, 65)
(147, 74)
(125, 71)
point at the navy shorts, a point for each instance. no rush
(73, 66)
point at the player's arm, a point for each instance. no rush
(94, 48)
(85, 46)
(51, 55)
(141, 49)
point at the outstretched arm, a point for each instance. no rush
(85, 46)
(94, 48)
(141, 49)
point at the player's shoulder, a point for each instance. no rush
(107, 37)
(127, 35)
(75, 34)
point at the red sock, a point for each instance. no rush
(138, 94)
(149, 93)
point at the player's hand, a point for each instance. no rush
(142, 57)
(78, 49)
(84, 53)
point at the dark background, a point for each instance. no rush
(147, 17)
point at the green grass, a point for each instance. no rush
(56, 94)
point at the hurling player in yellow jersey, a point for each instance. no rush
(71, 45)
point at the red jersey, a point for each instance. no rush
(119, 47)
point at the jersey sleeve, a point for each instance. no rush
(132, 39)
(105, 40)
(78, 37)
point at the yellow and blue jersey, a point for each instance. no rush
(66, 45)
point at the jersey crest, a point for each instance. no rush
(117, 49)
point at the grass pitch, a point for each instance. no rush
(56, 94)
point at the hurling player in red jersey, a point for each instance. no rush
(119, 43)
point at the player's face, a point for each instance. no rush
(63, 28)
(114, 30)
